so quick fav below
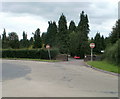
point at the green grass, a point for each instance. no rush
(104, 65)
(33, 59)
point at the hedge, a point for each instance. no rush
(29, 53)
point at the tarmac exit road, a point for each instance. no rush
(55, 79)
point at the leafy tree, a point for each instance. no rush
(4, 37)
(24, 36)
(31, 40)
(5, 42)
(92, 40)
(63, 36)
(13, 40)
(83, 26)
(51, 35)
(37, 39)
(102, 43)
(97, 41)
(72, 26)
(55, 31)
(0, 42)
(0, 38)
(115, 34)
(112, 51)
(83, 30)
(24, 43)
(44, 38)
(74, 42)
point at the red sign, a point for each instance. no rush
(47, 46)
(92, 45)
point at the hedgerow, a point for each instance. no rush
(29, 53)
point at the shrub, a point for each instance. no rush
(112, 53)
(29, 53)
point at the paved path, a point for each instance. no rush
(59, 79)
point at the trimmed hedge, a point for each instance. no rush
(29, 53)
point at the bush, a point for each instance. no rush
(29, 53)
(112, 53)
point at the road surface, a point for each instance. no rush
(58, 79)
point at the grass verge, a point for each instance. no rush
(104, 65)
(32, 59)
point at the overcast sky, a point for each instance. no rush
(28, 16)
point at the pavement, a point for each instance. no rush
(55, 79)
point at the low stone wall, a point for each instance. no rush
(62, 57)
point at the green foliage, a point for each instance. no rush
(29, 53)
(5, 42)
(74, 42)
(4, 35)
(115, 34)
(43, 60)
(82, 36)
(24, 36)
(37, 39)
(107, 41)
(51, 36)
(31, 41)
(13, 40)
(92, 40)
(13, 36)
(112, 53)
(24, 43)
(63, 35)
(83, 26)
(0, 42)
(44, 37)
(72, 26)
(98, 44)
(102, 43)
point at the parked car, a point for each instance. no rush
(76, 57)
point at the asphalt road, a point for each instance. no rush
(58, 79)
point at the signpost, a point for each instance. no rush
(92, 45)
(48, 47)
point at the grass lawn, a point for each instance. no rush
(32, 59)
(104, 66)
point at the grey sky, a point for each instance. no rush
(119, 10)
(28, 16)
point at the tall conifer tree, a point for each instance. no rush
(37, 39)
(72, 26)
(63, 35)
(51, 36)
(82, 32)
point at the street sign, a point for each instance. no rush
(92, 45)
(102, 51)
(47, 46)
